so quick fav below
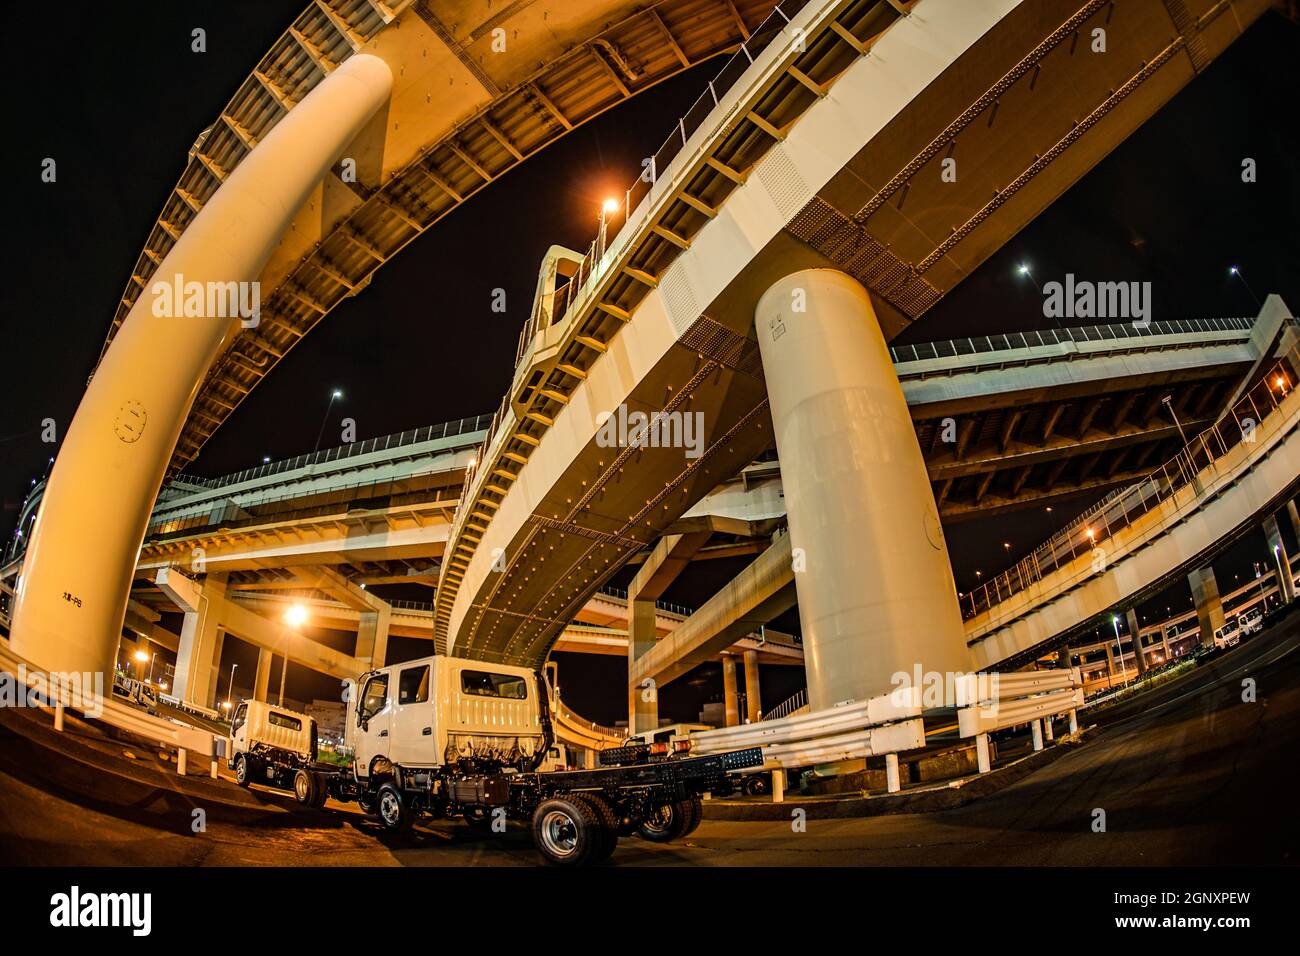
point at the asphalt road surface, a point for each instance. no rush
(1185, 774)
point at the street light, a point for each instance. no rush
(1237, 272)
(1024, 270)
(334, 396)
(230, 691)
(607, 209)
(295, 617)
(1168, 402)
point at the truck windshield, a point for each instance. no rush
(483, 684)
(376, 696)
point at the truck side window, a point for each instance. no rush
(413, 685)
(483, 684)
(375, 696)
(241, 712)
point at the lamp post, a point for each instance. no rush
(295, 617)
(230, 691)
(1237, 272)
(1168, 402)
(607, 208)
(1119, 649)
(334, 396)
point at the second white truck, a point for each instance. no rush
(447, 736)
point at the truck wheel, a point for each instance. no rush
(306, 788)
(756, 785)
(567, 832)
(697, 814)
(243, 772)
(394, 813)
(322, 791)
(608, 818)
(667, 822)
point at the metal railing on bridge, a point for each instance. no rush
(981, 344)
(1123, 507)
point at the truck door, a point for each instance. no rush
(413, 741)
(374, 720)
(239, 730)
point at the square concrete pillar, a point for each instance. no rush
(372, 636)
(753, 693)
(1209, 607)
(1133, 628)
(198, 656)
(732, 706)
(1281, 561)
(262, 679)
(642, 702)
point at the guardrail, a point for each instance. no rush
(66, 694)
(981, 344)
(992, 701)
(1122, 507)
(884, 725)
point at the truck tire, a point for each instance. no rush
(322, 791)
(243, 771)
(567, 832)
(609, 824)
(697, 814)
(394, 813)
(306, 788)
(668, 822)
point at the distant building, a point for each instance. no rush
(329, 716)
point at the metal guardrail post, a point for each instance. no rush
(982, 761)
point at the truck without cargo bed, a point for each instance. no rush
(447, 736)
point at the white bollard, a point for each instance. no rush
(1036, 728)
(778, 786)
(180, 762)
(212, 770)
(892, 782)
(58, 717)
(1074, 721)
(982, 753)
(1047, 728)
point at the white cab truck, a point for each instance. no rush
(448, 736)
(270, 744)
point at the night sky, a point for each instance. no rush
(119, 106)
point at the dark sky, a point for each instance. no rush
(120, 113)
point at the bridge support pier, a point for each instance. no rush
(1209, 606)
(1281, 562)
(71, 599)
(874, 580)
(372, 636)
(753, 693)
(262, 678)
(1134, 629)
(198, 657)
(730, 703)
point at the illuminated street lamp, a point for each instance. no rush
(295, 617)
(230, 691)
(1168, 402)
(335, 395)
(1234, 271)
(607, 209)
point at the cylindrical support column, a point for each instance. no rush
(1036, 731)
(1074, 721)
(753, 694)
(262, 677)
(1048, 733)
(893, 780)
(730, 704)
(778, 786)
(181, 756)
(1063, 658)
(982, 753)
(81, 556)
(873, 576)
(643, 698)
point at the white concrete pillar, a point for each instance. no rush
(1074, 721)
(372, 636)
(1048, 733)
(198, 656)
(730, 704)
(1209, 607)
(1036, 731)
(642, 701)
(982, 753)
(778, 786)
(1134, 630)
(893, 779)
(81, 555)
(1281, 562)
(262, 678)
(875, 585)
(753, 693)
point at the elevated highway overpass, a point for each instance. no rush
(823, 145)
